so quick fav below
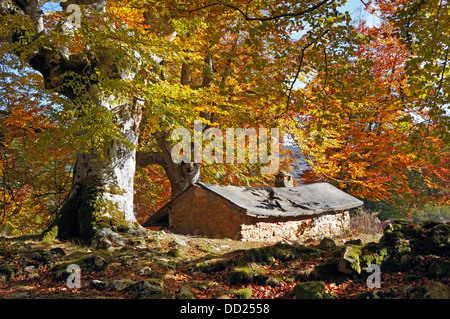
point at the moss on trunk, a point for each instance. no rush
(85, 212)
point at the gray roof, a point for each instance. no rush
(276, 201)
(286, 201)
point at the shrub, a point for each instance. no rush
(431, 212)
(366, 222)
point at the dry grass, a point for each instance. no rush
(366, 222)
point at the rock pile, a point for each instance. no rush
(404, 247)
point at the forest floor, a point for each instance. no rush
(164, 265)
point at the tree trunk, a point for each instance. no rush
(102, 190)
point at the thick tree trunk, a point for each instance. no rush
(102, 191)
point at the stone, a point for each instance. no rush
(211, 265)
(127, 260)
(202, 285)
(327, 243)
(176, 253)
(100, 262)
(106, 232)
(37, 255)
(137, 242)
(357, 242)
(240, 275)
(309, 290)
(373, 253)
(244, 293)
(102, 243)
(308, 274)
(147, 287)
(58, 251)
(273, 282)
(7, 270)
(20, 295)
(3, 277)
(137, 232)
(350, 260)
(186, 292)
(177, 241)
(439, 269)
(29, 269)
(437, 290)
(328, 270)
(438, 240)
(122, 284)
(145, 271)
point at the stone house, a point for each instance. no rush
(258, 213)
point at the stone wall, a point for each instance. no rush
(317, 227)
(205, 214)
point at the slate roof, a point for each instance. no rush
(277, 201)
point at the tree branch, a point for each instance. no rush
(144, 159)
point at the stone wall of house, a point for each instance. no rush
(317, 227)
(205, 214)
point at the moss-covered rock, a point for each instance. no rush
(412, 278)
(357, 242)
(350, 260)
(309, 290)
(87, 261)
(244, 293)
(147, 287)
(240, 275)
(7, 270)
(122, 284)
(437, 290)
(210, 264)
(186, 292)
(327, 244)
(438, 239)
(327, 270)
(261, 278)
(280, 251)
(313, 274)
(254, 255)
(176, 253)
(439, 268)
(373, 253)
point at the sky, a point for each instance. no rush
(352, 6)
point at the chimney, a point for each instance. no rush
(284, 179)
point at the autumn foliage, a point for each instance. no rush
(363, 105)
